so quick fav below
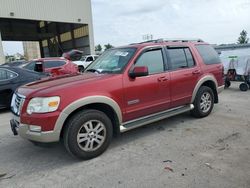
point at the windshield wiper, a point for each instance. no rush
(100, 71)
(107, 71)
(93, 70)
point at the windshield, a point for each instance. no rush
(112, 61)
(83, 58)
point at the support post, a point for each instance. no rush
(2, 57)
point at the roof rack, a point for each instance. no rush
(183, 40)
(171, 40)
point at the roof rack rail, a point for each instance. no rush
(183, 40)
(170, 40)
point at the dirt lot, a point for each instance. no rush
(177, 152)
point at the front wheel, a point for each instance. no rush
(88, 134)
(204, 102)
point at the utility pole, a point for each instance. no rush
(147, 37)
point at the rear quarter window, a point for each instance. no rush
(53, 64)
(7, 75)
(208, 54)
(3, 74)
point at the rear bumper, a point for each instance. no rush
(24, 131)
(220, 89)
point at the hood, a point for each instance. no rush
(61, 82)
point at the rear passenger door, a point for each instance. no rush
(184, 73)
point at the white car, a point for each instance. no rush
(85, 61)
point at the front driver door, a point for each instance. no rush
(149, 94)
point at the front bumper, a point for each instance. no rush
(24, 131)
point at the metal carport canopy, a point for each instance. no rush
(21, 30)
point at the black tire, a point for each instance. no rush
(243, 87)
(248, 83)
(197, 111)
(227, 84)
(76, 125)
(81, 69)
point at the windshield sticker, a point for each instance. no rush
(124, 54)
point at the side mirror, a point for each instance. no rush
(139, 72)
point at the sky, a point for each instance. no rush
(122, 22)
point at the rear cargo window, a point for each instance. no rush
(208, 54)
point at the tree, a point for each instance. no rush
(243, 38)
(108, 46)
(98, 48)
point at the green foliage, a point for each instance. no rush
(98, 48)
(108, 46)
(243, 38)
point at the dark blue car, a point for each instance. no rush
(11, 78)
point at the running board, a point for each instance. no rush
(154, 117)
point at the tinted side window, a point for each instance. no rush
(11, 75)
(178, 58)
(208, 54)
(30, 66)
(3, 75)
(189, 57)
(52, 64)
(6, 75)
(153, 60)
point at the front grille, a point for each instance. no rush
(17, 103)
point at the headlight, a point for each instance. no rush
(43, 105)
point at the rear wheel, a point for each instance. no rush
(204, 102)
(88, 134)
(243, 87)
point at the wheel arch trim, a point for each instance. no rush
(83, 102)
(201, 82)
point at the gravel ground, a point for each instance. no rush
(178, 152)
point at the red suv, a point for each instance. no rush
(53, 65)
(125, 88)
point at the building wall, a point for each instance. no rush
(2, 57)
(31, 50)
(49, 10)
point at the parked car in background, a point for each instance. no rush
(125, 88)
(15, 63)
(55, 66)
(85, 61)
(13, 77)
(76, 56)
